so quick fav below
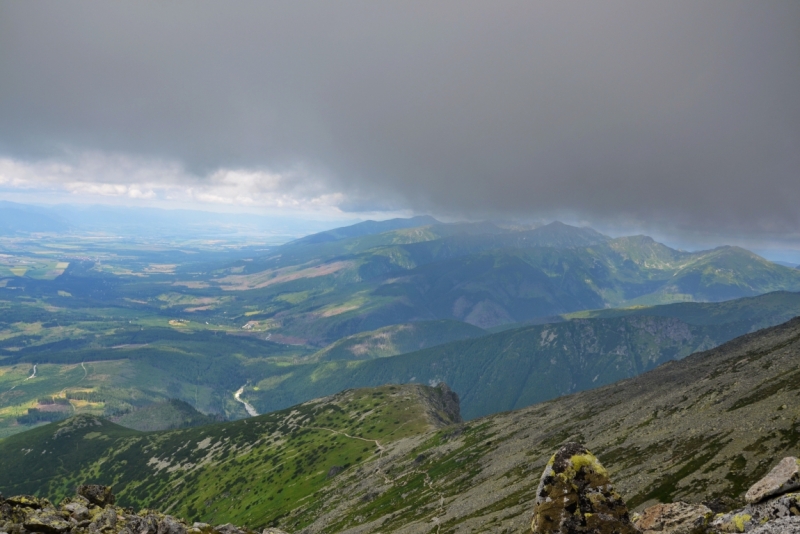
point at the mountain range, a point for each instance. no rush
(397, 459)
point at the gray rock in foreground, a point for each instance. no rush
(783, 478)
(785, 525)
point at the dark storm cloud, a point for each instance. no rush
(682, 113)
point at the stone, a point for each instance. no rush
(228, 528)
(753, 516)
(170, 525)
(674, 518)
(273, 531)
(78, 511)
(97, 494)
(783, 478)
(49, 523)
(27, 501)
(575, 496)
(142, 525)
(784, 525)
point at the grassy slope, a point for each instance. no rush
(249, 472)
(166, 415)
(519, 367)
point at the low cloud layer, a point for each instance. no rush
(680, 115)
(98, 175)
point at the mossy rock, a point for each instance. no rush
(575, 496)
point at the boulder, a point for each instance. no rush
(97, 494)
(142, 525)
(170, 525)
(48, 523)
(783, 478)
(785, 525)
(78, 511)
(28, 501)
(228, 528)
(575, 496)
(752, 516)
(674, 518)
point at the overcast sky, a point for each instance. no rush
(679, 117)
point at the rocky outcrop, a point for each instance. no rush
(442, 405)
(92, 511)
(576, 496)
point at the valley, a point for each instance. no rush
(702, 428)
(506, 316)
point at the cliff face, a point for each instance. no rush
(442, 405)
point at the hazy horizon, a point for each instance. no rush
(677, 120)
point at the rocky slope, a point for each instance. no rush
(703, 429)
(575, 495)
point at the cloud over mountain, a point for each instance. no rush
(682, 113)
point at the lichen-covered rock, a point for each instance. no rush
(783, 478)
(785, 525)
(575, 496)
(674, 518)
(170, 525)
(77, 511)
(273, 531)
(97, 494)
(28, 501)
(753, 516)
(142, 525)
(48, 523)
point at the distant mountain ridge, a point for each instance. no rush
(21, 218)
(488, 276)
(364, 228)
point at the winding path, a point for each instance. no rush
(247, 406)
(375, 441)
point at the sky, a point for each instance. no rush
(679, 119)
